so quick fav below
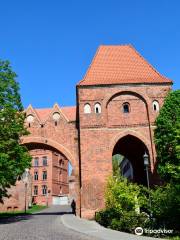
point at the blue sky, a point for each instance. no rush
(51, 43)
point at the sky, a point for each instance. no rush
(50, 44)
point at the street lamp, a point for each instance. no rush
(146, 164)
(25, 179)
(47, 194)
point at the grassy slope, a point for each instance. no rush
(35, 208)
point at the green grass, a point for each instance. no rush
(35, 208)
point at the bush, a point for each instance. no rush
(123, 195)
(128, 206)
(123, 202)
(104, 217)
(166, 206)
(126, 221)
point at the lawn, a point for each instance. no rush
(35, 208)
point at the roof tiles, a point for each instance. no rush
(69, 112)
(119, 65)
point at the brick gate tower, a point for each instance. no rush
(118, 101)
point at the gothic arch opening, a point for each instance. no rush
(128, 152)
(51, 175)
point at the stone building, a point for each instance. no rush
(117, 103)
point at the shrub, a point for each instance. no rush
(166, 206)
(123, 202)
(128, 206)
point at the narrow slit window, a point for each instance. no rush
(97, 108)
(155, 106)
(126, 108)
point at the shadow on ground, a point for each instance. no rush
(12, 219)
(52, 213)
(25, 217)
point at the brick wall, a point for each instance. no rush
(100, 132)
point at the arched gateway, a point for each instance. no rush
(131, 149)
(52, 165)
(118, 101)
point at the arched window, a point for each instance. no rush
(56, 116)
(87, 108)
(126, 107)
(30, 118)
(155, 106)
(97, 108)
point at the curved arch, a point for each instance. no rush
(134, 134)
(125, 93)
(151, 151)
(51, 143)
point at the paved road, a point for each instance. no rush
(45, 225)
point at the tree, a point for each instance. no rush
(167, 138)
(14, 158)
(116, 160)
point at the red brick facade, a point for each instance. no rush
(118, 76)
(99, 133)
(49, 176)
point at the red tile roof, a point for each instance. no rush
(69, 112)
(43, 113)
(119, 65)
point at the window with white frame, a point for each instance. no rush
(36, 161)
(155, 106)
(35, 175)
(35, 190)
(87, 108)
(44, 161)
(44, 190)
(44, 175)
(97, 108)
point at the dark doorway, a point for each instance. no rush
(133, 149)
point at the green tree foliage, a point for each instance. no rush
(167, 138)
(116, 160)
(123, 201)
(166, 206)
(14, 158)
(127, 206)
